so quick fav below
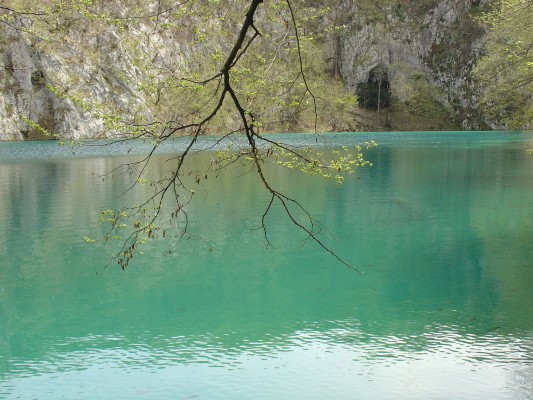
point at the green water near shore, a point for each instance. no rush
(441, 225)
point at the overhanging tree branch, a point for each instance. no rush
(223, 93)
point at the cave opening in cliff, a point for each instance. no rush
(375, 93)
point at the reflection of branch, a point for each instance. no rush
(285, 201)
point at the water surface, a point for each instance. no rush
(441, 225)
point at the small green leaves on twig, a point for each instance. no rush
(330, 165)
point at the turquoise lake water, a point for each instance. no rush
(441, 225)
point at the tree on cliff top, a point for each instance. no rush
(506, 71)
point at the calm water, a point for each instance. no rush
(441, 225)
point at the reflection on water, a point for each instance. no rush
(342, 361)
(442, 229)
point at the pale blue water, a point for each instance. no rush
(441, 225)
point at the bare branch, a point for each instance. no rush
(172, 183)
(297, 35)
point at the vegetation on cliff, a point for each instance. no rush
(126, 64)
(158, 58)
(506, 71)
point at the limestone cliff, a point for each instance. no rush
(425, 50)
(30, 109)
(419, 54)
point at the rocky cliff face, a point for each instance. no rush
(30, 107)
(426, 50)
(28, 110)
(419, 54)
(22, 83)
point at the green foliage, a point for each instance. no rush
(506, 71)
(334, 166)
(36, 126)
(39, 130)
(422, 103)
